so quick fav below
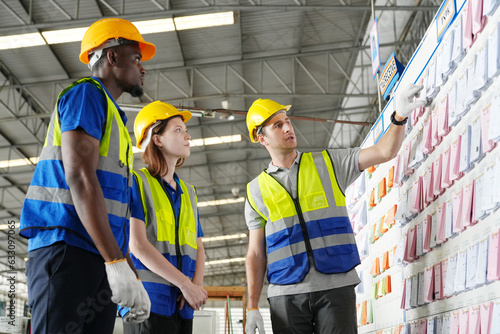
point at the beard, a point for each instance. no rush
(136, 91)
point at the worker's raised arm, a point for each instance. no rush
(388, 146)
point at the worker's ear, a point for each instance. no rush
(262, 139)
(112, 56)
(156, 140)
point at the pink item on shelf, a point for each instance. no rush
(493, 258)
(487, 144)
(458, 225)
(455, 150)
(446, 181)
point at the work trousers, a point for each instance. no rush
(160, 324)
(322, 312)
(68, 291)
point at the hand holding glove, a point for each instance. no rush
(405, 103)
(138, 313)
(128, 291)
(254, 320)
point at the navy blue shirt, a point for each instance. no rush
(137, 211)
(82, 107)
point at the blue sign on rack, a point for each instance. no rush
(391, 73)
(444, 17)
(375, 48)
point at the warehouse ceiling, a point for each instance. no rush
(314, 55)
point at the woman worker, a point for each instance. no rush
(165, 232)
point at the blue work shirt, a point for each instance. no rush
(82, 107)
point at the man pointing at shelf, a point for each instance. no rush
(299, 228)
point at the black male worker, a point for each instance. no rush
(299, 228)
(77, 208)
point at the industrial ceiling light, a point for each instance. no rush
(226, 104)
(144, 27)
(18, 162)
(8, 226)
(221, 202)
(214, 262)
(215, 140)
(224, 237)
(195, 142)
(203, 142)
(204, 20)
(21, 41)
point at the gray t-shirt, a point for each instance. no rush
(345, 162)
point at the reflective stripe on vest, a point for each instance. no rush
(315, 224)
(115, 158)
(161, 229)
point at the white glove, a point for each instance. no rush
(128, 291)
(405, 103)
(138, 314)
(254, 320)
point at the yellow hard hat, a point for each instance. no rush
(109, 28)
(152, 113)
(260, 111)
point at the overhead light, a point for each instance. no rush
(237, 259)
(205, 113)
(193, 143)
(18, 162)
(144, 27)
(76, 34)
(221, 202)
(64, 36)
(205, 142)
(204, 20)
(224, 237)
(225, 104)
(8, 226)
(155, 26)
(215, 140)
(21, 41)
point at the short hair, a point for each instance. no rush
(153, 158)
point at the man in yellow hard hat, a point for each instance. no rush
(299, 228)
(77, 208)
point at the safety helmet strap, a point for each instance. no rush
(96, 53)
(146, 140)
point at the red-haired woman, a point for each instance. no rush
(165, 232)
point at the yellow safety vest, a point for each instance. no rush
(314, 225)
